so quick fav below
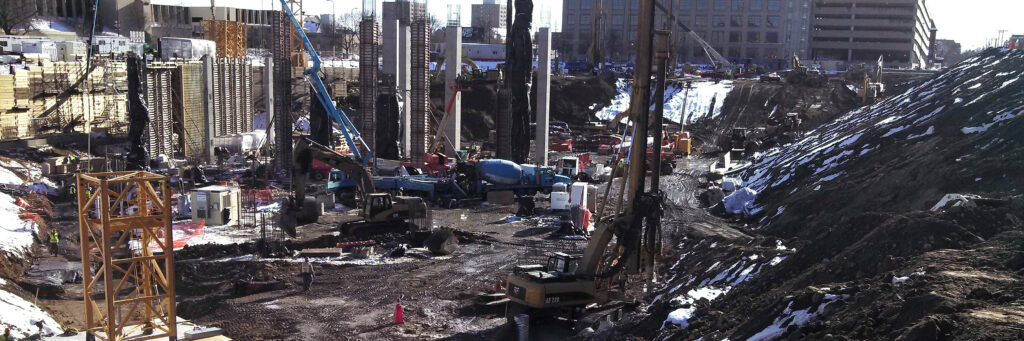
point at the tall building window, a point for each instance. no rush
(734, 52)
(718, 21)
(700, 21)
(619, 4)
(702, 5)
(752, 53)
(587, 4)
(737, 5)
(774, 5)
(772, 21)
(756, 5)
(771, 37)
(753, 37)
(736, 21)
(721, 5)
(717, 36)
(572, 4)
(735, 37)
(754, 21)
(685, 5)
(617, 19)
(584, 19)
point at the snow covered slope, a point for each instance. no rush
(961, 131)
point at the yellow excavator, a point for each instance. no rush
(380, 213)
(575, 281)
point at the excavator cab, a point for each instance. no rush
(561, 263)
(377, 203)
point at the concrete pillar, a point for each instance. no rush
(403, 83)
(268, 95)
(452, 67)
(543, 95)
(389, 46)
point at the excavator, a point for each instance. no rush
(575, 281)
(381, 212)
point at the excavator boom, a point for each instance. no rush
(320, 91)
(715, 57)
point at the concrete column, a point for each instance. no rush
(268, 95)
(403, 83)
(452, 67)
(390, 46)
(543, 95)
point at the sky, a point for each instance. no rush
(971, 23)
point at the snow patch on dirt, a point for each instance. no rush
(703, 100)
(792, 318)
(21, 316)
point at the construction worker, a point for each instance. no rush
(7, 335)
(54, 240)
(72, 191)
(306, 272)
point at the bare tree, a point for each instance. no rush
(486, 26)
(16, 14)
(348, 29)
(435, 23)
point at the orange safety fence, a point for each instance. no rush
(183, 233)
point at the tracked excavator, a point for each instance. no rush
(572, 282)
(381, 212)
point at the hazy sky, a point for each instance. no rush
(972, 23)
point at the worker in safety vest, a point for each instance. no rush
(306, 272)
(54, 240)
(7, 335)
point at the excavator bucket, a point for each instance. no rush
(288, 219)
(442, 242)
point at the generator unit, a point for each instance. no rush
(217, 205)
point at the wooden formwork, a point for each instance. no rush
(136, 285)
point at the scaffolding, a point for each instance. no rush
(123, 217)
(230, 36)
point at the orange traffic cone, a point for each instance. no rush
(399, 316)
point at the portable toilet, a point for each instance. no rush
(579, 195)
(217, 205)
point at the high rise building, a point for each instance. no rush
(489, 16)
(765, 32)
(901, 31)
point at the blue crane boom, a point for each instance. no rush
(313, 77)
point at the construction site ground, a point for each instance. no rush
(220, 285)
(438, 293)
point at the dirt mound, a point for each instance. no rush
(872, 260)
(753, 104)
(960, 132)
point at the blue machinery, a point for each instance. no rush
(313, 77)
